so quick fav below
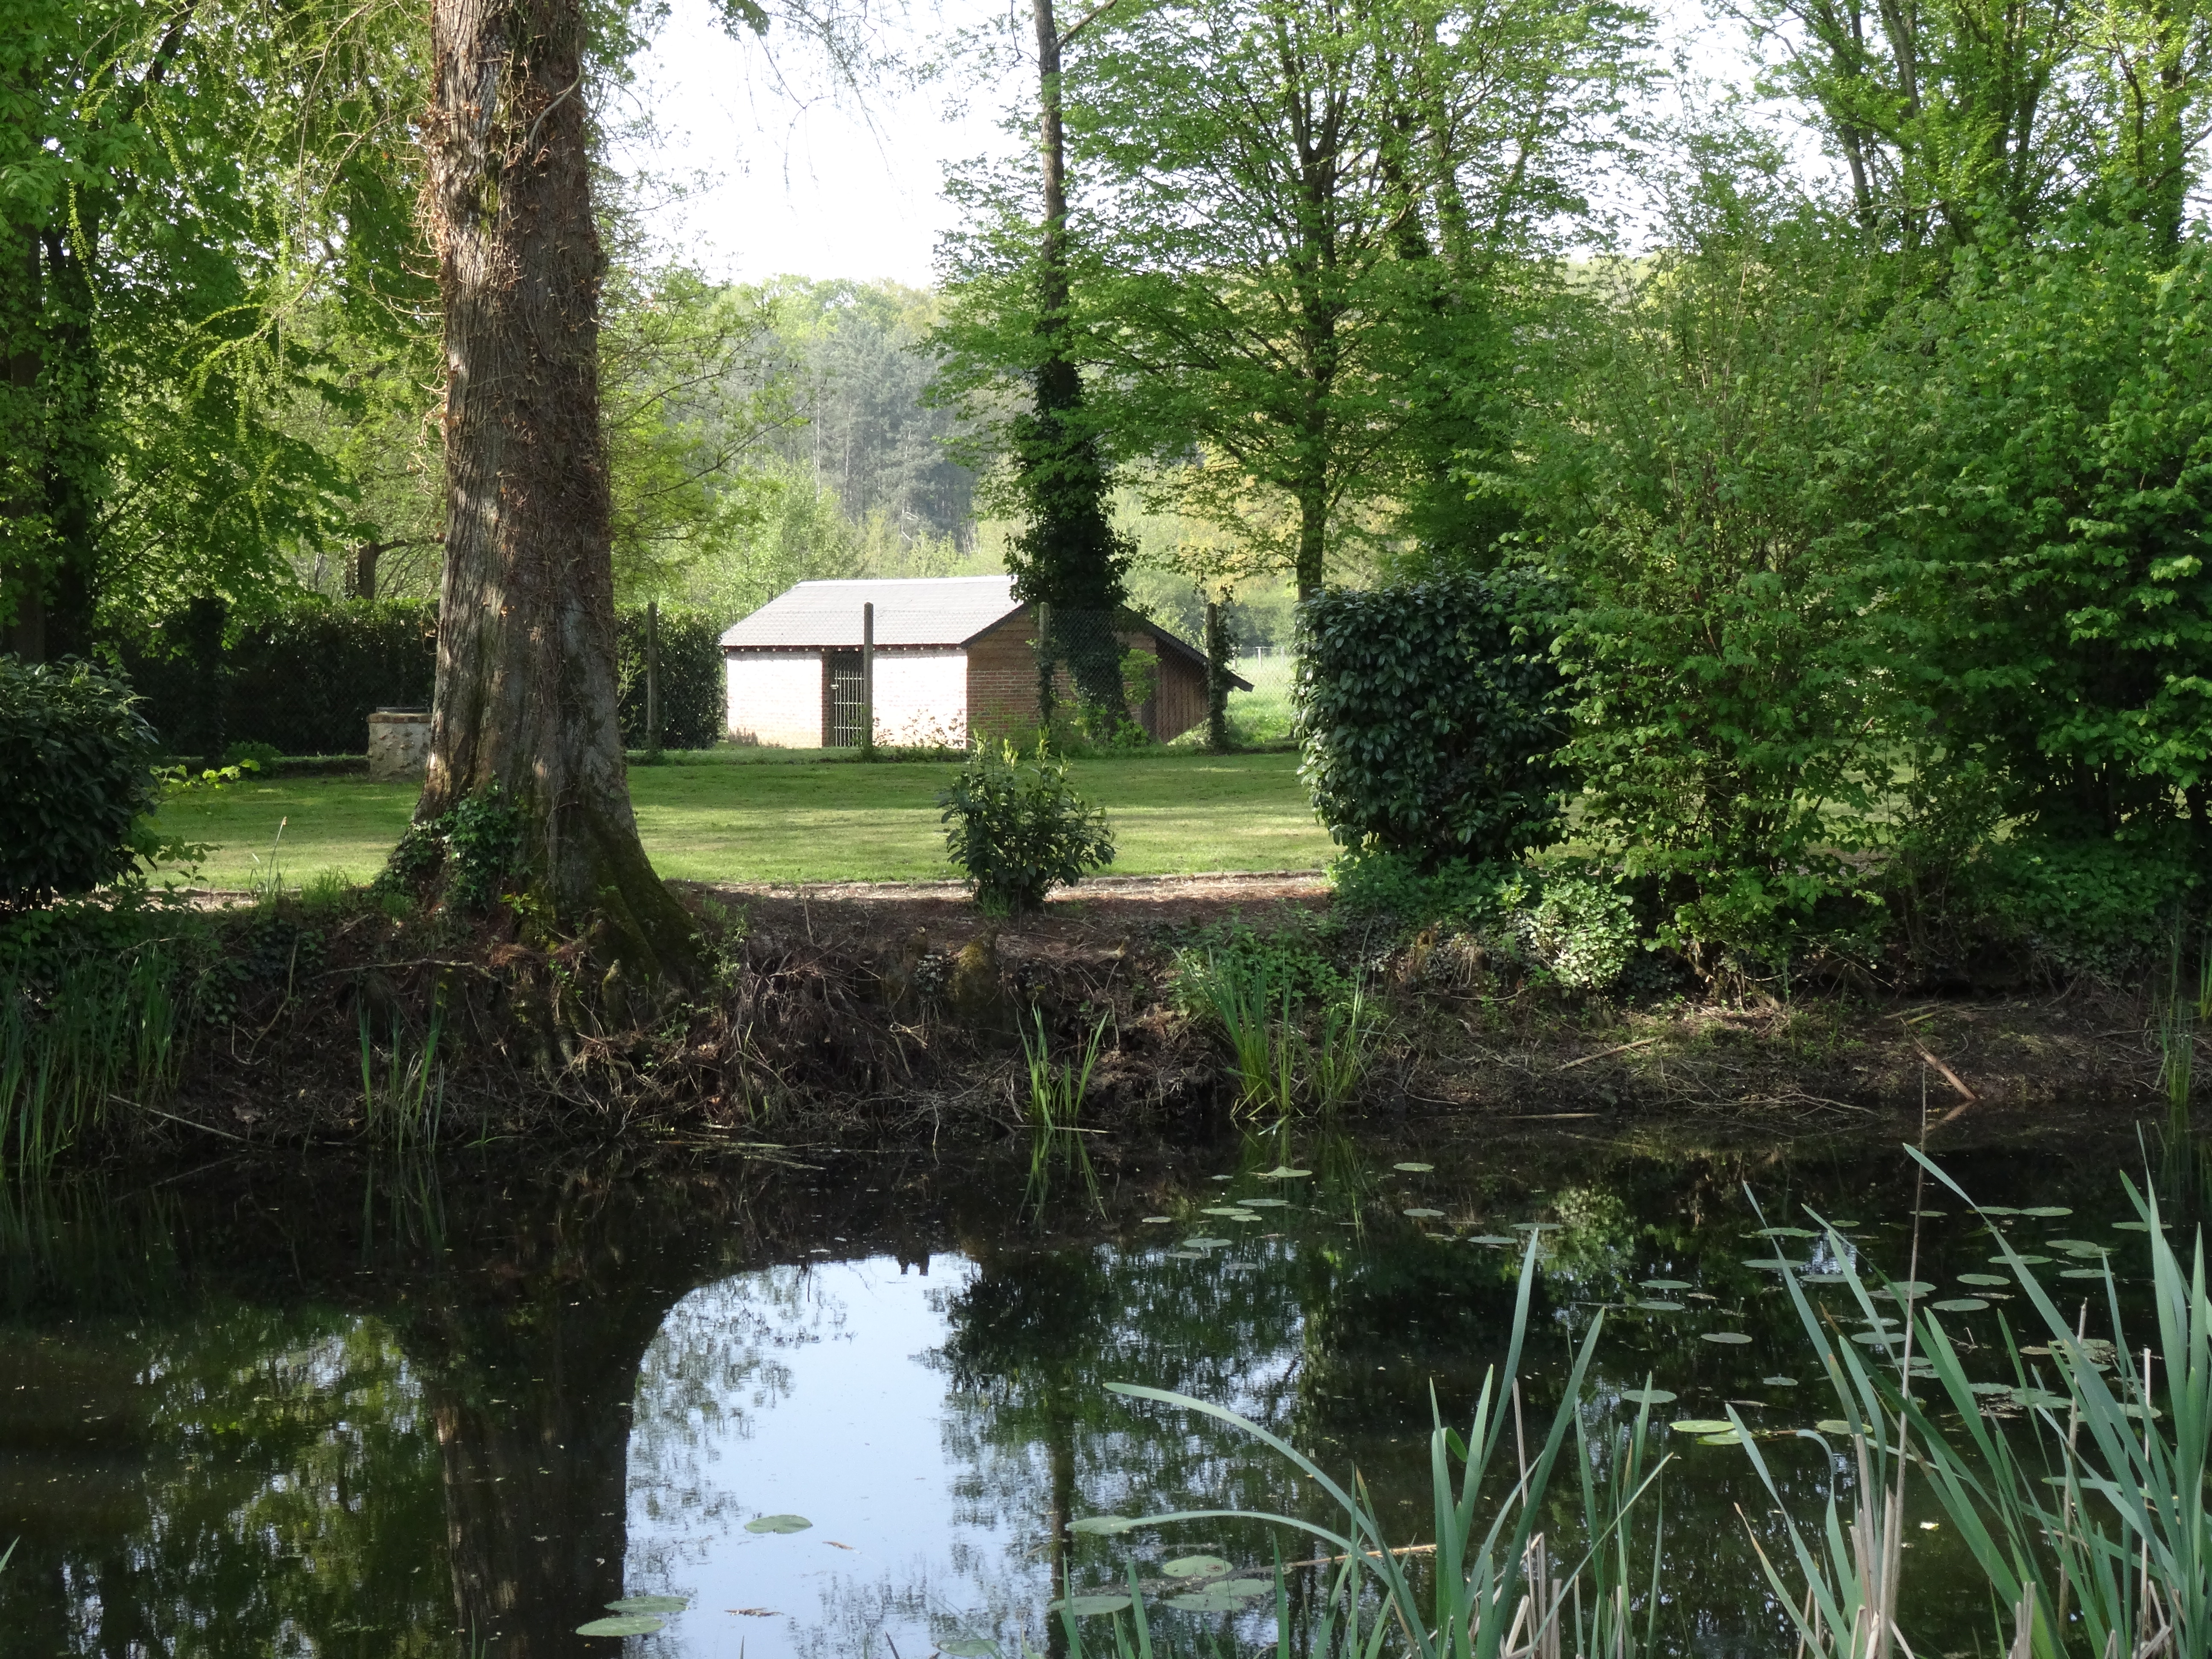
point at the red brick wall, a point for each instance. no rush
(1002, 683)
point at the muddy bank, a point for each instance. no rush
(873, 1016)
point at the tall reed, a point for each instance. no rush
(101, 1029)
(1280, 1068)
(1495, 1589)
(1054, 1108)
(406, 1108)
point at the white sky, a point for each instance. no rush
(821, 183)
(810, 181)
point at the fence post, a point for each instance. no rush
(1218, 649)
(868, 681)
(652, 680)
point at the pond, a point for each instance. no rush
(840, 1406)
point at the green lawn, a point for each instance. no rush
(740, 816)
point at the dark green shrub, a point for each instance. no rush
(2098, 907)
(77, 774)
(1393, 888)
(1018, 828)
(301, 679)
(1428, 717)
(694, 691)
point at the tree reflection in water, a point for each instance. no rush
(260, 1416)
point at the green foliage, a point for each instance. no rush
(1393, 888)
(299, 678)
(2047, 509)
(1582, 929)
(1018, 828)
(2101, 908)
(76, 775)
(484, 839)
(249, 756)
(693, 693)
(1430, 717)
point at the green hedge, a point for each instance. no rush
(304, 677)
(694, 694)
(1430, 715)
(76, 772)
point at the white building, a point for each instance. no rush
(953, 654)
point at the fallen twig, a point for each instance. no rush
(1618, 1048)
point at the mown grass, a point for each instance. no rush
(736, 815)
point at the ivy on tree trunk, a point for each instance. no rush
(527, 697)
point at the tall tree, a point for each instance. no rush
(1300, 196)
(525, 705)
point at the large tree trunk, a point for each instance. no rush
(526, 701)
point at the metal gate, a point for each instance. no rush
(844, 701)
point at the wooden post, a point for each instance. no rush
(653, 679)
(867, 681)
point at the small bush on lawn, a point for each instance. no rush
(1018, 828)
(76, 775)
(1429, 715)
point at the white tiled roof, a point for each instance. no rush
(942, 611)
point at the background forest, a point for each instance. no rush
(1838, 438)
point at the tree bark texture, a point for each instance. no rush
(526, 700)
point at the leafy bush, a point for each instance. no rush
(2085, 907)
(477, 845)
(1583, 930)
(1393, 888)
(1430, 717)
(76, 774)
(1018, 828)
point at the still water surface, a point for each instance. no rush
(374, 1415)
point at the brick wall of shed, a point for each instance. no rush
(1002, 678)
(775, 697)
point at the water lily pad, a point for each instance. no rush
(1733, 1338)
(1090, 1606)
(1221, 1209)
(649, 1604)
(1701, 1425)
(779, 1523)
(2132, 1226)
(623, 1624)
(1422, 1215)
(1196, 1566)
(1492, 1238)
(1539, 1226)
(968, 1647)
(1959, 1305)
(1876, 1339)
(1187, 1256)
(1202, 1242)
(1773, 1263)
(1996, 1209)
(1266, 1203)
(1983, 1278)
(1784, 1232)
(2036, 1397)
(1839, 1227)
(2131, 1409)
(1931, 1212)
(1414, 1168)
(1988, 1388)
(1833, 1425)
(1246, 1586)
(1150, 1221)
(1657, 1306)
(1902, 1287)
(1647, 1396)
(1101, 1526)
(2072, 1245)
(2047, 1212)
(2032, 1260)
(1207, 1600)
(1779, 1381)
(2083, 1273)
(1242, 1215)
(1726, 1437)
(1665, 1283)
(1283, 1172)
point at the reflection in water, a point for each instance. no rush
(445, 1416)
